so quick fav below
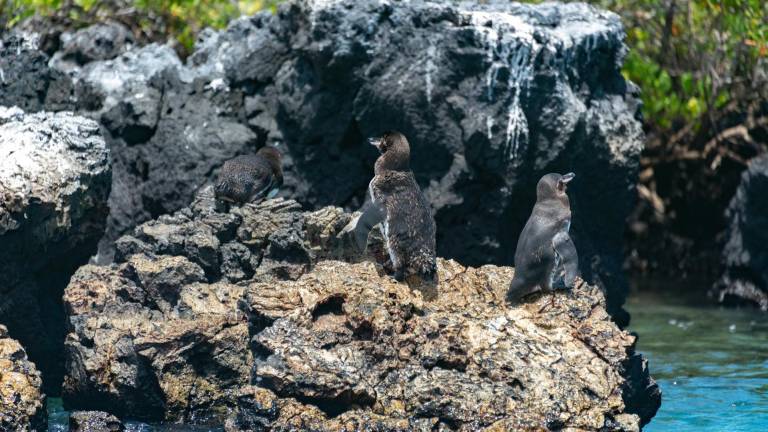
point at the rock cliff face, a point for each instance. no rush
(491, 97)
(248, 317)
(745, 256)
(54, 183)
(22, 403)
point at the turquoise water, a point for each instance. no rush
(711, 363)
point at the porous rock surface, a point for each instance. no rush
(54, 184)
(94, 421)
(491, 95)
(745, 256)
(251, 318)
(22, 402)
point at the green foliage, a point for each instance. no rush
(153, 19)
(692, 57)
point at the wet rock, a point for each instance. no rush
(491, 96)
(22, 402)
(94, 421)
(282, 335)
(745, 256)
(54, 183)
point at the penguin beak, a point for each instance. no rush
(563, 182)
(376, 142)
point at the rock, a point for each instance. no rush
(26, 81)
(22, 402)
(54, 183)
(491, 96)
(94, 421)
(745, 256)
(248, 317)
(97, 42)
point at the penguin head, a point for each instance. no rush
(395, 152)
(272, 156)
(553, 186)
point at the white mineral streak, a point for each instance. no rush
(510, 45)
(430, 70)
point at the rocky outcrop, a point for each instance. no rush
(54, 183)
(250, 317)
(745, 256)
(94, 421)
(490, 95)
(22, 403)
(97, 42)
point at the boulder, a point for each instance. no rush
(54, 183)
(98, 42)
(94, 421)
(745, 256)
(26, 81)
(22, 402)
(257, 317)
(492, 95)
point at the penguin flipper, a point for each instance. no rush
(266, 187)
(372, 215)
(569, 258)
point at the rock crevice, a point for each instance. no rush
(315, 340)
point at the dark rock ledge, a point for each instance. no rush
(248, 317)
(745, 255)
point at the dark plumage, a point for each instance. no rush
(396, 202)
(409, 228)
(545, 249)
(250, 178)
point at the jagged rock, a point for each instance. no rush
(745, 256)
(94, 421)
(54, 183)
(26, 81)
(22, 403)
(97, 42)
(247, 316)
(490, 95)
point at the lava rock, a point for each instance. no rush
(94, 421)
(284, 335)
(97, 42)
(491, 95)
(54, 183)
(26, 81)
(745, 256)
(22, 402)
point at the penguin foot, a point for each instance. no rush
(549, 304)
(399, 275)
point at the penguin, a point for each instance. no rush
(396, 201)
(250, 178)
(545, 251)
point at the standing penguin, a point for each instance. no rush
(398, 203)
(250, 178)
(545, 250)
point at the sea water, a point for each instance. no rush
(711, 362)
